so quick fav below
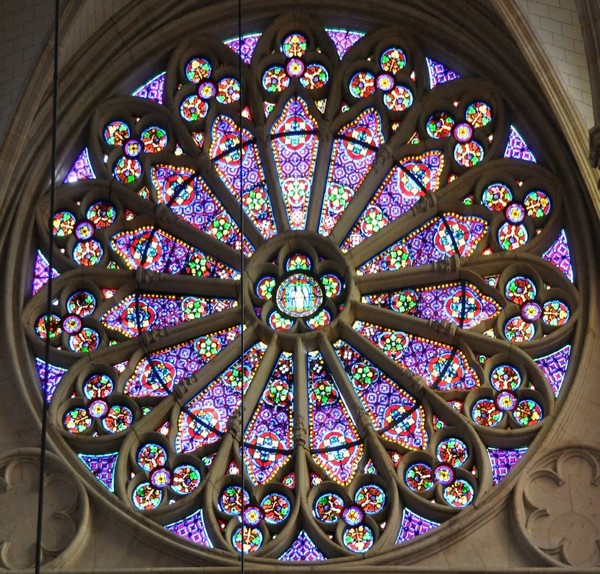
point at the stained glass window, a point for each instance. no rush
(307, 312)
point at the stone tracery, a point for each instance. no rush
(365, 425)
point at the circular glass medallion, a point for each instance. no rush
(299, 295)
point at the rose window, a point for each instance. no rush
(307, 305)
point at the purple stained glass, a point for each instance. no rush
(196, 204)
(465, 306)
(393, 411)
(156, 374)
(153, 89)
(400, 190)
(102, 466)
(41, 274)
(295, 143)
(559, 255)
(248, 45)
(303, 548)
(503, 461)
(270, 431)
(265, 164)
(343, 39)
(441, 366)
(413, 525)
(81, 168)
(351, 159)
(235, 163)
(334, 440)
(192, 528)
(166, 254)
(439, 74)
(204, 419)
(152, 312)
(437, 239)
(55, 374)
(516, 148)
(554, 366)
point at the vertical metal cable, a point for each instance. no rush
(242, 271)
(40, 513)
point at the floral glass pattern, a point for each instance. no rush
(322, 320)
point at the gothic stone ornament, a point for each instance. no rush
(308, 312)
(557, 504)
(66, 512)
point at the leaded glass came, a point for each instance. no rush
(307, 312)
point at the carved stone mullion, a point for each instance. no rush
(301, 418)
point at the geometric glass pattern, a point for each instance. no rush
(313, 325)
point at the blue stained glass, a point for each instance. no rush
(299, 295)
(414, 525)
(559, 254)
(456, 303)
(197, 204)
(245, 48)
(152, 240)
(343, 39)
(81, 169)
(393, 411)
(192, 528)
(158, 251)
(146, 312)
(303, 548)
(269, 437)
(516, 148)
(439, 74)
(238, 162)
(102, 466)
(52, 372)
(503, 461)
(555, 366)
(334, 438)
(153, 89)
(41, 272)
(156, 374)
(205, 417)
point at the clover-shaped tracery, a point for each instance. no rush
(248, 518)
(126, 142)
(204, 81)
(297, 62)
(301, 295)
(72, 324)
(510, 398)
(161, 475)
(468, 152)
(396, 95)
(535, 204)
(535, 309)
(98, 408)
(75, 229)
(358, 527)
(447, 471)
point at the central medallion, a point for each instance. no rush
(299, 295)
(299, 283)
